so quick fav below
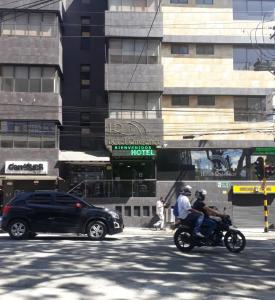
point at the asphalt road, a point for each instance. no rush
(138, 264)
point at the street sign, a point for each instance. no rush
(252, 189)
(264, 150)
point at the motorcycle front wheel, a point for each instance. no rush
(234, 241)
(183, 240)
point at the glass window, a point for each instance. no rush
(8, 24)
(204, 1)
(128, 105)
(128, 50)
(140, 105)
(146, 211)
(179, 1)
(85, 117)
(48, 24)
(21, 26)
(127, 211)
(115, 100)
(153, 105)
(21, 79)
(249, 109)
(205, 49)
(179, 49)
(35, 21)
(136, 211)
(35, 79)
(66, 200)
(180, 100)
(40, 199)
(207, 164)
(115, 51)
(206, 100)
(153, 51)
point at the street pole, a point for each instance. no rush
(265, 203)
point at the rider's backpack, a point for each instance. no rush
(176, 209)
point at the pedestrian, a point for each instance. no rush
(160, 212)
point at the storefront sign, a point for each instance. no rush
(26, 167)
(264, 150)
(251, 189)
(133, 150)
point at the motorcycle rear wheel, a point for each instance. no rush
(183, 240)
(234, 241)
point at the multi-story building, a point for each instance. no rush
(180, 79)
(155, 93)
(30, 100)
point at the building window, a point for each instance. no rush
(29, 24)
(249, 109)
(85, 117)
(179, 1)
(204, 1)
(136, 211)
(253, 9)
(180, 100)
(29, 79)
(85, 33)
(206, 100)
(146, 211)
(85, 137)
(134, 105)
(28, 134)
(127, 211)
(245, 57)
(179, 49)
(205, 49)
(85, 1)
(133, 5)
(85, 75)
(130, 51)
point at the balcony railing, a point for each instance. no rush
(115, 188)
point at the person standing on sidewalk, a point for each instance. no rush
(160, 212)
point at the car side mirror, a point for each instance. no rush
(78, 205)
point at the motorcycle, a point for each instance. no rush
(224, 235)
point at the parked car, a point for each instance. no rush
(54, 212)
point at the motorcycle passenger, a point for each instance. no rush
(188, 214)
(200, 205)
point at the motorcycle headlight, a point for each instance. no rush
(114, 214)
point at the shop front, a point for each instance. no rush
(26, 176)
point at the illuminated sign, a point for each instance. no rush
(251, 189)
(264, 150)
(133, 150)
(26, 167)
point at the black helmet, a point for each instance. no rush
(186, 190)
(200, 194)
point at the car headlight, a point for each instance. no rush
(114, 214)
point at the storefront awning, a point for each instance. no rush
(29, 177)
(79, 157)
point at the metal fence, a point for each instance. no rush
(115, 188)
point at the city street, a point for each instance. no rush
(138, 264)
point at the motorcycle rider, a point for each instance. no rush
(200, 205)
(188, 214)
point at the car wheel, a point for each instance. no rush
(96, 230)
(18, 229)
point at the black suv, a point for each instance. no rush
(55, 212)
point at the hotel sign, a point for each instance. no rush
(133, 150)
(133, 132)
(26, 167)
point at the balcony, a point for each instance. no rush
(133, 24)
(31, 106)
(132, 77)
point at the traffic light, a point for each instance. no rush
(260, 168)
(269, 171)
